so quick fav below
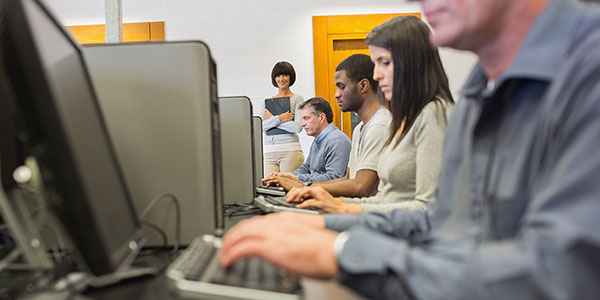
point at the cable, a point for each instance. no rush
(41, 210)
(177, 214)
(39, 215)
(157, 229)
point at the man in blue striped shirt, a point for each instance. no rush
(330, 150)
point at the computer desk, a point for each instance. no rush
(151, 288)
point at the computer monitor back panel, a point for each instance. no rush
(258, 150)
(160, 105)
(238, 156)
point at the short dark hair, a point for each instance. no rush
(318, 105)
(419, 76)
(283, 68)
(357, 68)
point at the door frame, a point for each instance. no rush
(326, 30)
(341, 120)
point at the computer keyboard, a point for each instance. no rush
(199, 263)
(283, 202)
(271, 187)
(270, 204)
(279, 201)
(270, 190)
(255, 273)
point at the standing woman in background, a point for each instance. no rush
(282, 152)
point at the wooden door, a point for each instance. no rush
(334, 39)
(132, 32)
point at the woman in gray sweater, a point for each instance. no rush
(410, 74)
(282, 151)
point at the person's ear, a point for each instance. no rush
(364, 85)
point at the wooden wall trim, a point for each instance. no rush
(132, 32)
(320, 55)
(360, 23)
(157, 31)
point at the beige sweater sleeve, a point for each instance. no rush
(426, 148)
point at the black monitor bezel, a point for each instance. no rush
(51, 158)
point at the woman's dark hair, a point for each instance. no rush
(283, 68)
(419, 76)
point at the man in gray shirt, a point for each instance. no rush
(330, 150)
(357, 92)
(518, 201)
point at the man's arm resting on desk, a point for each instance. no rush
(399, 223)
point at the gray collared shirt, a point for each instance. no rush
(328, 156)
(518, 206)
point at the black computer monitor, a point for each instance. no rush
(154, 90)
(50, 111)
(236, 149)
(257, 146)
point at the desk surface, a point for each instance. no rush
(150, 288)
(157, 287)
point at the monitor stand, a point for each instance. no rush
(82, 280)
(32, 254)
(21, 227)
(28, 255)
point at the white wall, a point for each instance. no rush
(248, 37)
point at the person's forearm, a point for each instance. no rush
(399, 223)
(329, 175)
(333, 180)
(414, 205)
(377, 198)
(534, 263)
(304, 169)
(269, 123)
(347, 188)
(290, 126)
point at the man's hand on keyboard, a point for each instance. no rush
(284, 182)
(317, 196)
(284, 175)
(305, 250)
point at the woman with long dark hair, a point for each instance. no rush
(411, 76)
